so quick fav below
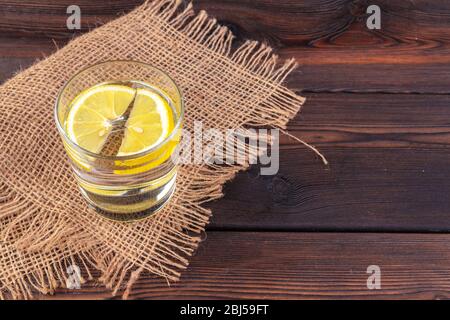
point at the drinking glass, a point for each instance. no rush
(128, 187)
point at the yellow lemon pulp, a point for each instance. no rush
(150, 122)
(89, 120)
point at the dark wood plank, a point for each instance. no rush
(285, 23)
(18, 53)
(293, 22)
(48, 18)
(388, 170)
(303, 266)
(337, 52)
(329, 39)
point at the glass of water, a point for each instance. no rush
(120, 123)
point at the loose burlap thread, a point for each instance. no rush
(46, 226)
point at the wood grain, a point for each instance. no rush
(329, 39)
(48, 18)
(378, 107)
(337, 52)
(388, 152)
(388, 170)
(284, 265)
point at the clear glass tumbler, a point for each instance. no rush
(132, 186)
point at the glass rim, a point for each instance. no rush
(127, 157)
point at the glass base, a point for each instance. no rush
(131, 205)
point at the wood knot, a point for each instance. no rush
(280, 189)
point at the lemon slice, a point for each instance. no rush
(150, 122)
(88, 123)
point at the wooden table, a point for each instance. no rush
(378, 107)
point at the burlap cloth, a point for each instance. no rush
(46, 225)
